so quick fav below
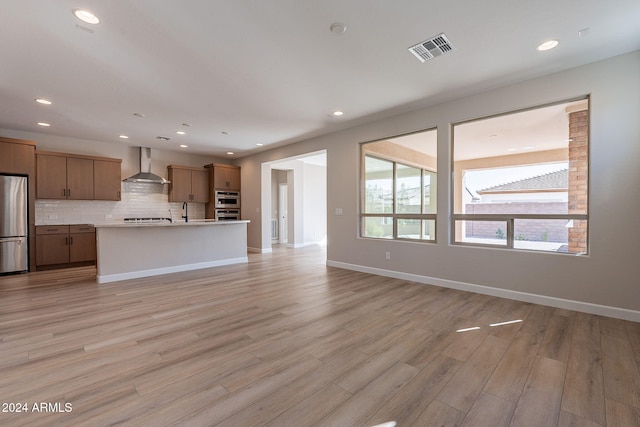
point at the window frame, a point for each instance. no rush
(394, 215)
(510, 218)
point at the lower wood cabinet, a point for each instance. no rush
(65, 245)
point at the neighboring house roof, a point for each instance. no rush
(552, 181)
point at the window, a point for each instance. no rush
(521, 179)
(399, 187)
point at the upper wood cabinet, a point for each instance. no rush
(188, 184)
(76, 177)
(225, 177)
(107, 180)
(16, 156)
(79, 179)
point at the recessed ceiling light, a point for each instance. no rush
(184, 146)
(123, 137)
(186, 125)
(138, 115)
(43, 101)
(43, 124)
(259, 144)
(549, 44)
(338, 113)
(230, 152)
(181, 132)
(163, 138)
(224, 132)
(528, 147)
(86, 16)
(511, 149)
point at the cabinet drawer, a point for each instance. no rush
(52, 229)
(82, 229)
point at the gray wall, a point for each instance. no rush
(608, 276)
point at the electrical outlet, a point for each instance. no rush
(387, 256)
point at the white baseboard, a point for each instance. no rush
(166, 270)
(303, 245)
(585, 307)
(259, 250)
(295, 245)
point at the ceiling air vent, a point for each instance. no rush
(428, 49)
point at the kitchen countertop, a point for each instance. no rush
(193, 222)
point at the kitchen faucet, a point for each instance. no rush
(185, 206)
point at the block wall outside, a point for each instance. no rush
(534, 230)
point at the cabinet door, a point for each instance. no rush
(180, 187)
(226, 177)
(200, 186)
(16, 158)
(107, 178)
(82, 247)
(79, 179)
(52, 249)
(51, 177)
(233, 176)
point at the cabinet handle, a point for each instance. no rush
(66, 240)
(64, 192)
(119, 195)
(71, 240)
(68, 192)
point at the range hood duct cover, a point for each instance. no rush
(145, 175)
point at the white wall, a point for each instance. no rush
(605, 281)
(314, 203)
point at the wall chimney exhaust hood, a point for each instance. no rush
(145, 175)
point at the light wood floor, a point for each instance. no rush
(286, 341)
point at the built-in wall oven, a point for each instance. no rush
(227, 214)
(226, 199)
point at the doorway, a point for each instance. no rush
(294, 202)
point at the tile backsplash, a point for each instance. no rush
(138, 201)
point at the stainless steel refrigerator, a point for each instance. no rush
(14, 252)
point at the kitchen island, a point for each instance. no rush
(129, 251)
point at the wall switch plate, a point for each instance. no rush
(338, 211)
(108, 216)
(387, 256)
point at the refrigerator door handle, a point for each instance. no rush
(11, 239)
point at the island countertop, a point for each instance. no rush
(196, 222)
(136, 249)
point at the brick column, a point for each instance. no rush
(578, 177)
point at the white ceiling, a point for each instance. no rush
(271, 72)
